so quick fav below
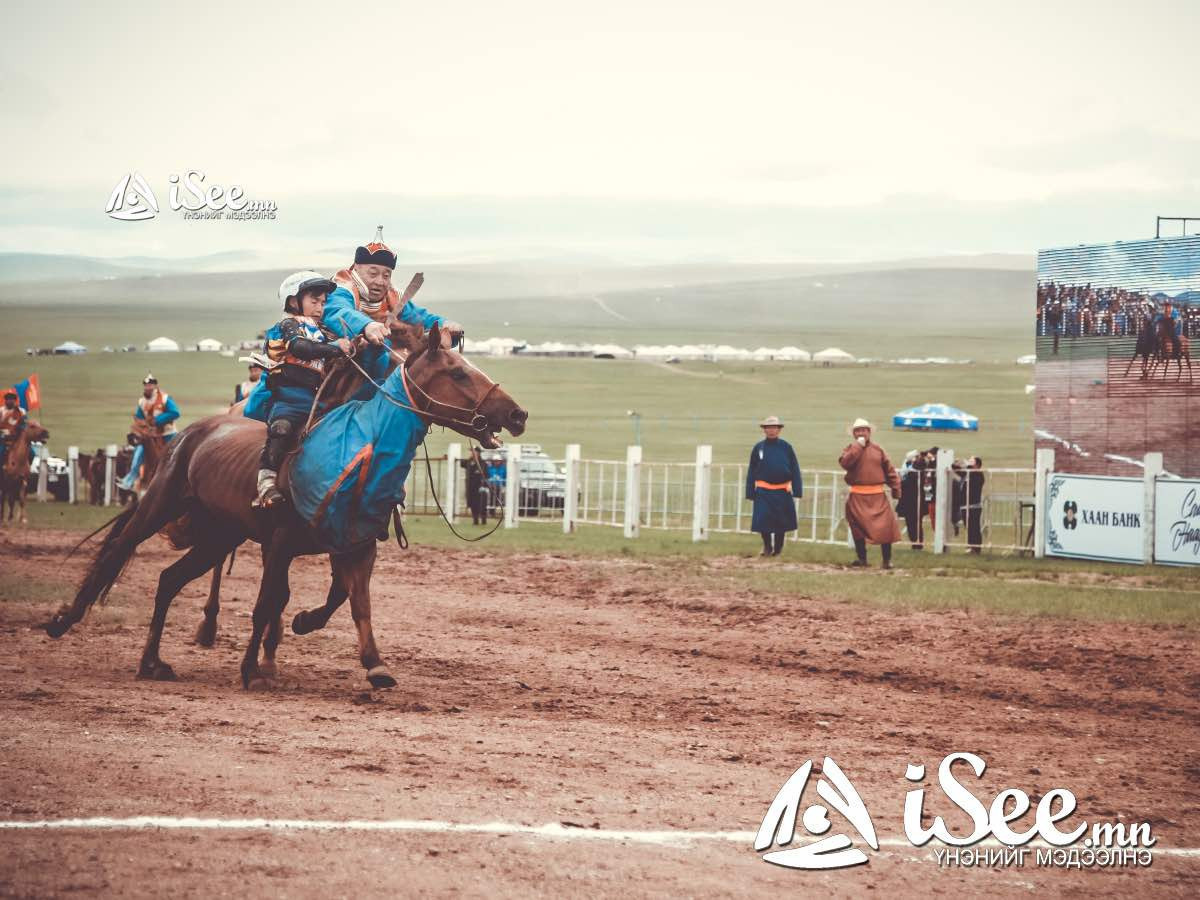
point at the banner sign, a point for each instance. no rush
(1177, 522)
(1094, 517)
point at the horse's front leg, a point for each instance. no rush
(309, 620)
(356, 574)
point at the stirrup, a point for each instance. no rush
(269, 498)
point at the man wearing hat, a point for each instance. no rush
(772, 480)
(869, 473)
(242, 391)
(155, 414)
(13, 420)
(363, 299)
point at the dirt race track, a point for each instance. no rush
(537, 690)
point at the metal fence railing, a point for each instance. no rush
(988, 509)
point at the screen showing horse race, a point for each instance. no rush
(1116, 379)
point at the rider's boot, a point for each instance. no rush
(268, 493)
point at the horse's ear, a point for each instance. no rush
(435, 337)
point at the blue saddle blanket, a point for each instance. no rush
(349, 473)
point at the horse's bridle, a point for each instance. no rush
(430, 411)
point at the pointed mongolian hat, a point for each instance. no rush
(375, 253)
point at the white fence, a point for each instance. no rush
(705, 497)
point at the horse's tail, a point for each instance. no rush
(141, 519)
(114, 555)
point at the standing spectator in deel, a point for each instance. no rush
(772, 480)
(870, 473)
(909, 506)
(478, 494)
(929, 489)
(974, 480)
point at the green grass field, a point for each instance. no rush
(979, 314)
(88, 401)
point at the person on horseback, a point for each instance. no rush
(299, 347)
(13, 420)
(154, 416)
(242, 391)
(363, 298)
(1169, 313)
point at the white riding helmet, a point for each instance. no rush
(299, 282)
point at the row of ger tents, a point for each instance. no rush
(499, 346)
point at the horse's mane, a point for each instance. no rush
(344, 378)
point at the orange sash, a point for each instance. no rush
(866, 488)
(786, 486)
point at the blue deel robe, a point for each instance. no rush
(775, 463)
(345, 321)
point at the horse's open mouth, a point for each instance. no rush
(490, 440)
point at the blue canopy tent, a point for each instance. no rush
(935, 417)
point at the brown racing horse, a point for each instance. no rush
(154, 447)
(343, 381)
(208, 481)
(1172, 346)
(1146, 347)
(14, 479)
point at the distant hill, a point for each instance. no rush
(975, 313)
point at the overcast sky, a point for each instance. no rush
(629, 130)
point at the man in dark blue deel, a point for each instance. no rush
(772, 480)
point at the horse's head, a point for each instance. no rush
(35, 432)
(453, 392)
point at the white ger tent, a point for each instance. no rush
(831, 355)
(163, 345)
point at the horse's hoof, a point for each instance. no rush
(300, 624)
(206, 634)
(268, 669)
(257, 683)
(380, 677)
(156, 671)
(57, 626)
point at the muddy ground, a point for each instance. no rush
(542, 689)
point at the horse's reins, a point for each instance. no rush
(434, 418)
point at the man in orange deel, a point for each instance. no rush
(772, 480)
(870, 475)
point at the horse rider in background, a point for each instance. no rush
(242, 391)
(155, 416)
(13, 420)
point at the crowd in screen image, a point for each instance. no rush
(1081, 310)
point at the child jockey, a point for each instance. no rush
(158, 411)
(12, 422)
(299, 346)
